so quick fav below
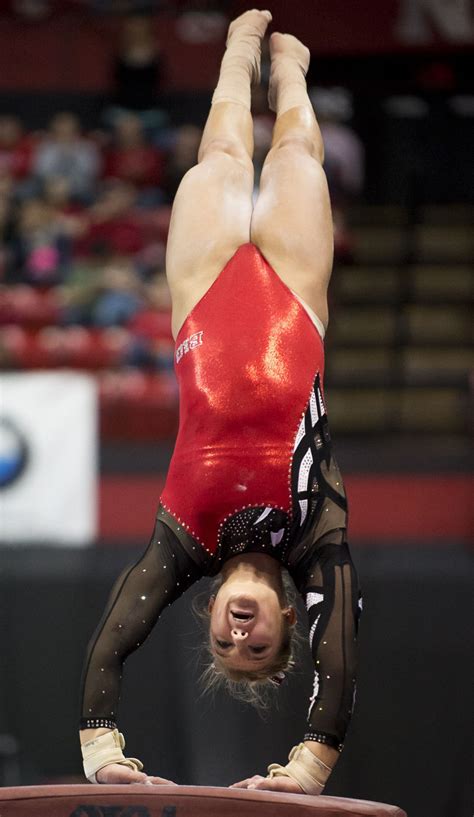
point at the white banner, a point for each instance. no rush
(48, 458)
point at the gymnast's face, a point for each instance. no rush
(247, 624)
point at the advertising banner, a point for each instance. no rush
(48, 458)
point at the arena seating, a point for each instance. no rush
(400, 338)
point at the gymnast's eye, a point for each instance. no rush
(257, 650)
(223, 644)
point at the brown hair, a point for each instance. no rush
(255, 687)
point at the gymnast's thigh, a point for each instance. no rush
(209, 222)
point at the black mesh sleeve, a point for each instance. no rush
(136, 602)
(328, 583)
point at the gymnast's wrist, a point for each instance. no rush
(304, 767)
(85, 735)
(105, 750)
(324, 752)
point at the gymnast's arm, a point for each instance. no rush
(328, 583)
(136, 602)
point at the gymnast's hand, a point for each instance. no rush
(269, 784)
(116, 773)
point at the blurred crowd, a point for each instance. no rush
(84, 215)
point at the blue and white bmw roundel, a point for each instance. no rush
(13, 452)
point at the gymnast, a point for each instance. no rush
(253, 488)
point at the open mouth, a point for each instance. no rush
(240, 615)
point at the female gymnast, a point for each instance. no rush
(253, 486)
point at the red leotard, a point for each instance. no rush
(246, 360)
(252, 471)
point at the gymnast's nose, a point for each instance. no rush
(238, 634)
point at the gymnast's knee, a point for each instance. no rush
(223, 149)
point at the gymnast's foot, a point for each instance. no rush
(245, 34)
(290, 63)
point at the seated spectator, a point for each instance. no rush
(154, 318)
(132, 159)
(183, 156)
(65, 153)
(121, 294)
(41, 246)
(152, 345)
(70, 214)
(113, 224)
(16, 149)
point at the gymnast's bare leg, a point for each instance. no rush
(212, 210)
(292, 223)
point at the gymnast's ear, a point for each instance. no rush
(290, 615)
(211, 603)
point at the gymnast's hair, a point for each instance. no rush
(255, 687)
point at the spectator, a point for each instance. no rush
(64, 153)
(344, 152)
(182, 157)
(152, 345)
(32, 11)
(344, 160)
(69, 214)
(7, 234)
(121, 296)
(138, 65)
(113, 224)
(132, 159)
(16, 149)
(41, 246)
(263, 122)
(154, 318)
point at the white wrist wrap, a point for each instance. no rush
(305, 768)
(104, 750)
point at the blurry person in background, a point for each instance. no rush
(182, 157)
(263, 122)
(131, 158)
(16, 149)
(65, 153)
(120, 294)
(344, 158)
(69, 213)
(152, 345)
(137, 72)
(114, 226)
(32, 11)
(7, 234)
(41, 247)
(103, 291)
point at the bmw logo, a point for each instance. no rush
(13, 452)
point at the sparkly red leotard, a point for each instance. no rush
(246, 361)
(252, 471)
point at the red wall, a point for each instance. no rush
(384, 508)
(72, 50)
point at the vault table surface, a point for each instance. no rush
(178, 801)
